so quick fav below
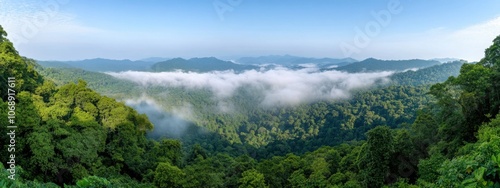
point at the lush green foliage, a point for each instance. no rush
(264, 132)
(70, 132)
(102, 83)
(430, 75)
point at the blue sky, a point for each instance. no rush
(126, 29)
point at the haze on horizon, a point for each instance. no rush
(385, 29)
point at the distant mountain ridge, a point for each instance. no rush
(293, 60)
(154, 59)
(100, 65)
(445, 60)
(205, 64)
(374, 65)
(208, 64)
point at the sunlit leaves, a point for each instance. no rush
(167, 175)
(252, 179)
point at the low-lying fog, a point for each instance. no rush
(279, 86)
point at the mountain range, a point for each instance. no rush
(374, 65)
(293, 60)
(100, 65)
(208, 64)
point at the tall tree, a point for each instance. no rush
(168, 176)
(252, 179)
(374, 159)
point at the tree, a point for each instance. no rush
(319, 173)
(93, 181)
(6, 47)
(3, 34)
(298, 179)
(278, 170)
(42, 149)
(374, 159)
(203, 174)
(167, 175)
(170, 151)
(252, 179)
(428, 168)
(424, 132)
(196, 152)
(405, 158)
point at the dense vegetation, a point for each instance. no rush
(71, 136)
(100, 82)
(263, 132)
(426, 76)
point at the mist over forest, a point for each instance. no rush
(277, 87)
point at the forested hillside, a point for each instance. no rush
(405, 134)
(70, 134)
(280, 130)
(100, 82)
(427, 76)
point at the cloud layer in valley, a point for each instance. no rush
(279, 86)
(172, 124)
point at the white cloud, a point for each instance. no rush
(466, 43)
(173, 123)
(43, 29)
(279, 86)
(473, 40)
(25, 20)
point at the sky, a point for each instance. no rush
(126, 29)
